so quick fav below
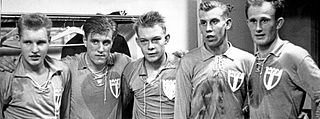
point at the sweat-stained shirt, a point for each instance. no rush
(100, 98)
(212, 86)
(278, 84)
(22, 97)
(152, 100)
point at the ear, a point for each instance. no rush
(18, 38)
(84, 41)
(167, 38)
(49, 39)
(228, 23)
(280, 22)
(138, 42)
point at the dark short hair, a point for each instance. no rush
(34, 21)
(209, 5)
(150, 19)
(278, 5)
(100, 25)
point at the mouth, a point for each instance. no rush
(259, 36)
(101, 56)
(35, 57)
(211, 37)
(152, 54)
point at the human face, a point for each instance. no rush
(213, 26)
(34, 47)
(98, 47)
(152, 41)
(262, 24)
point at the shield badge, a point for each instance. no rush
(271, 77)
(169, 85)
(235, 79)
(115, 86)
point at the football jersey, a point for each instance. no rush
(279, 83)
(94, 97)
(155, 99)
(212, 86)
(23, 97)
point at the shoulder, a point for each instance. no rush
(192, 56)
(5, 77)
(242, 55)
(73, 59)
(132, 69)
(120, 58)
(294, 53)
(134, 64)
(58, 64)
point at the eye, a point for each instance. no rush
(203, 23)
(42, 42)
(265, 21)
(252, 21)
(95, 42)
(27, 42)
(156, 40)
(214, 21)
(143, 41)
(106, 42)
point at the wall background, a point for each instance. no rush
(180, 15)
(300, 25)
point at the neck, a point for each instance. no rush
(37, 69)
(94, 67)
(265, 50)
(218, 50)
(157, 64)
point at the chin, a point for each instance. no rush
(34, 63)
(152, 59)
(100, 62)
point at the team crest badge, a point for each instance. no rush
(115, 86)
(235, 80)
(271, 77)
(169, 87)
(57, 100)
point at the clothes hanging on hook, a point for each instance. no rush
(63, 37)
(10, 39)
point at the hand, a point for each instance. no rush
(7, 63)
(180, 53)
(303, 115)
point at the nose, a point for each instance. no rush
(35, 48)
(258, 27)
(208, 28)
(151, 46)
(100, 47)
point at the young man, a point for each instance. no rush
(96, 74)
(96, 87)
(39, 83)
(283, 73)
(211, 79)
(152, 78)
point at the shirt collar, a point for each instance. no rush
(276, 51)
(21, 71)
(171, 63)
(83, 64)
(206, 54)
